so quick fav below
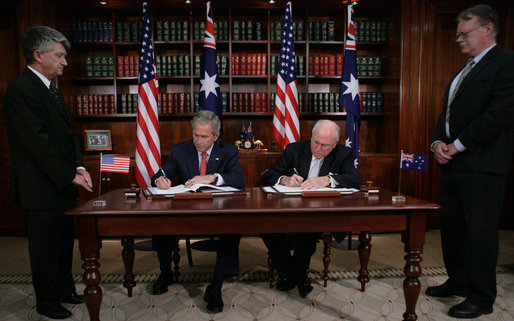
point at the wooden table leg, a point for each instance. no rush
(327, 240)
(128, 260)
(364, 252)
(89, 245)
(176, 260)
(411, 284)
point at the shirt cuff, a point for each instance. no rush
(80, 168)
(459, 145)
(220, 181)
(333, 182)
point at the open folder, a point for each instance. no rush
(198, 188)
(278, 188)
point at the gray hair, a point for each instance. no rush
(41, 39)
(204, 117)
(485, 15)
(336, 126)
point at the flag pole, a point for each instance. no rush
(100, 179)
(400, 176)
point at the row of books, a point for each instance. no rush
(249, 64)
(322, 30)
(326, 65)
(298, 30)
(220, 30)
(91, 31)
(247, 30)
(98, 66)
(178, 30)
(372, 102)
(299, 65)
(91, 104)
(221, 61)
(168, 103)
(128, 31)
(370, 30)
(369, 65)
(172, 30)
(173, 65)
(127, 66)
(249, 102)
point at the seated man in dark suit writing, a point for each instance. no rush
(207, 160)
(315, 163)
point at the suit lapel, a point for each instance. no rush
(51, 104)
(193, 163)
(475, 71)
(305, 161)
(214, 159)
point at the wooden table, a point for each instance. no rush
(250, 214)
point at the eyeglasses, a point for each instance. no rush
(464, 35)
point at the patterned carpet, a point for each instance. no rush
(249, 298)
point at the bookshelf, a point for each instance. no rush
(247, 51)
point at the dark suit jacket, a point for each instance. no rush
(45, 151)
(183, 161)
(482, 116)
(298, 155)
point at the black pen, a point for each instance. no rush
(163, 173)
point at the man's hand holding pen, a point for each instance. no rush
(163, 182)
(294, 180)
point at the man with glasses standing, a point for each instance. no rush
(473, 144)
(315, 163)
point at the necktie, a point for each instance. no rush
(57, 96)
(463, 75)
(203, 164)
(314, 169)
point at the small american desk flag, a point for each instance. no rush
(148, 146)
(286, 119)
(115, 164)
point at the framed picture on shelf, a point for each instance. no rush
(97, 139)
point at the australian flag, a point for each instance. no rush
(349, 91)
(414, 162)
(209, 96)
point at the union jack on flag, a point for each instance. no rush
(349, 97)
(414, 162)
(148, 146)
(286, 123)
(115, 164)
(209, 96)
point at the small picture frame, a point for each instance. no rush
(97, 139)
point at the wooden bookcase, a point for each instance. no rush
(379, 130)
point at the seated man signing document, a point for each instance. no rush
(203, 160)
(311, 164)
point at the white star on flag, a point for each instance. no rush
(209, 84)
(352, 87)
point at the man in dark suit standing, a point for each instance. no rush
(473, 143)
(203, 160)
(47, 168)
(315, 163)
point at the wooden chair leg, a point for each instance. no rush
(176, 260)
(271, 276)
(188, 251)
(327, 240)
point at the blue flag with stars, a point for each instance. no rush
(349, 97)
(209, 96)
(414, 162)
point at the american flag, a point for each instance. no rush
(414, 162)
(115, 164)
(286, 123)
(148, 146)
(349, 97)
(209, 97)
